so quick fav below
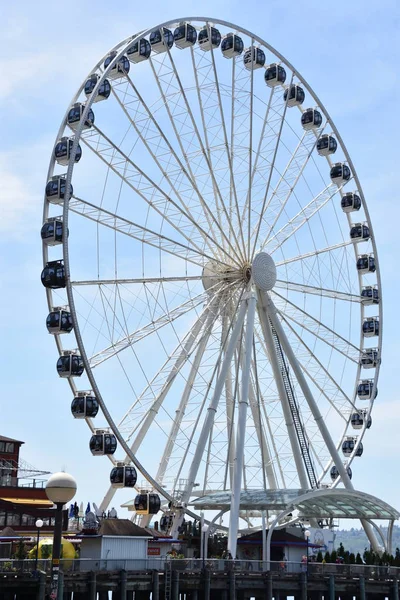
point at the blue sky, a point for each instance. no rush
(348, 53)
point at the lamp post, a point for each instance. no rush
(204, 542)
(38, 524)
(60, 489)
(307, 534)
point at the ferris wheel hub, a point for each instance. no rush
(264, 271)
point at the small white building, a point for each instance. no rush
(119, 544)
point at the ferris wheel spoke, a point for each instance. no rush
(301, 218)
(271, 170)
(278, 369)
(138, 232)
(317, 291)
(140, 280)
(186, 107)
(249, 193)
(314, 253)
(323, 387)
(319, 330)
(156, 198)
(266, 146)
(161, 382)
(208, 104)
(160, 151)
(286, 185)
(146, 330)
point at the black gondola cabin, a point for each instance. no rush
(232, 45)
(53, 275)
(139, 51)
(52, 231)
(75, 115)
(84, 405)
(123, 476)
(59, 320)
(63, 149)
(55, 189)
(102, 442)
(370, 326)
(161, 40)
(70, 364)
(209, 38)
(340, 173)
(254, 58)
(103, 91)
(120, 68)
(185, 35)
(147, 503)
(311, 119)
(275, 75)
(326, 145)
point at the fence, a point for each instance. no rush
(278, 569)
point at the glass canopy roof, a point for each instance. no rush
(319, 504)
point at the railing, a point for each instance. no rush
(250, 567)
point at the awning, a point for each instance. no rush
(34, 501)
(313, 504)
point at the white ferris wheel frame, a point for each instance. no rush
(267, 305)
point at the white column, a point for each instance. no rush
(241, 428)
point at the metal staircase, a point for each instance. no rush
(294, 409)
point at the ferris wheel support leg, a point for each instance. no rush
(212, 409)
(266, 329)
(180, 361)
(241, 428)
(229, 409)
(318, 418)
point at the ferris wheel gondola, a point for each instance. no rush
(211, 294)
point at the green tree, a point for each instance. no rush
(327, 557)
(352, 558)
(359, 560)
(319, 556)
(333, 556)
(21, 551)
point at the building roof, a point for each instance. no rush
(328, 503)
(7, 439)
(8, 533)
(121, 527)
(280, 537)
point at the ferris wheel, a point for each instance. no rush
(215, 270)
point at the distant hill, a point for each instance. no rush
(355, 540)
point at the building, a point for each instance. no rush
(290, 545)
(117, 542)
(23, 497)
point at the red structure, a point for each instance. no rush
(23, 497)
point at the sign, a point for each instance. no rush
(153, 551)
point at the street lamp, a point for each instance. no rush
(307, 534)
(60, 489)
(39, 524)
